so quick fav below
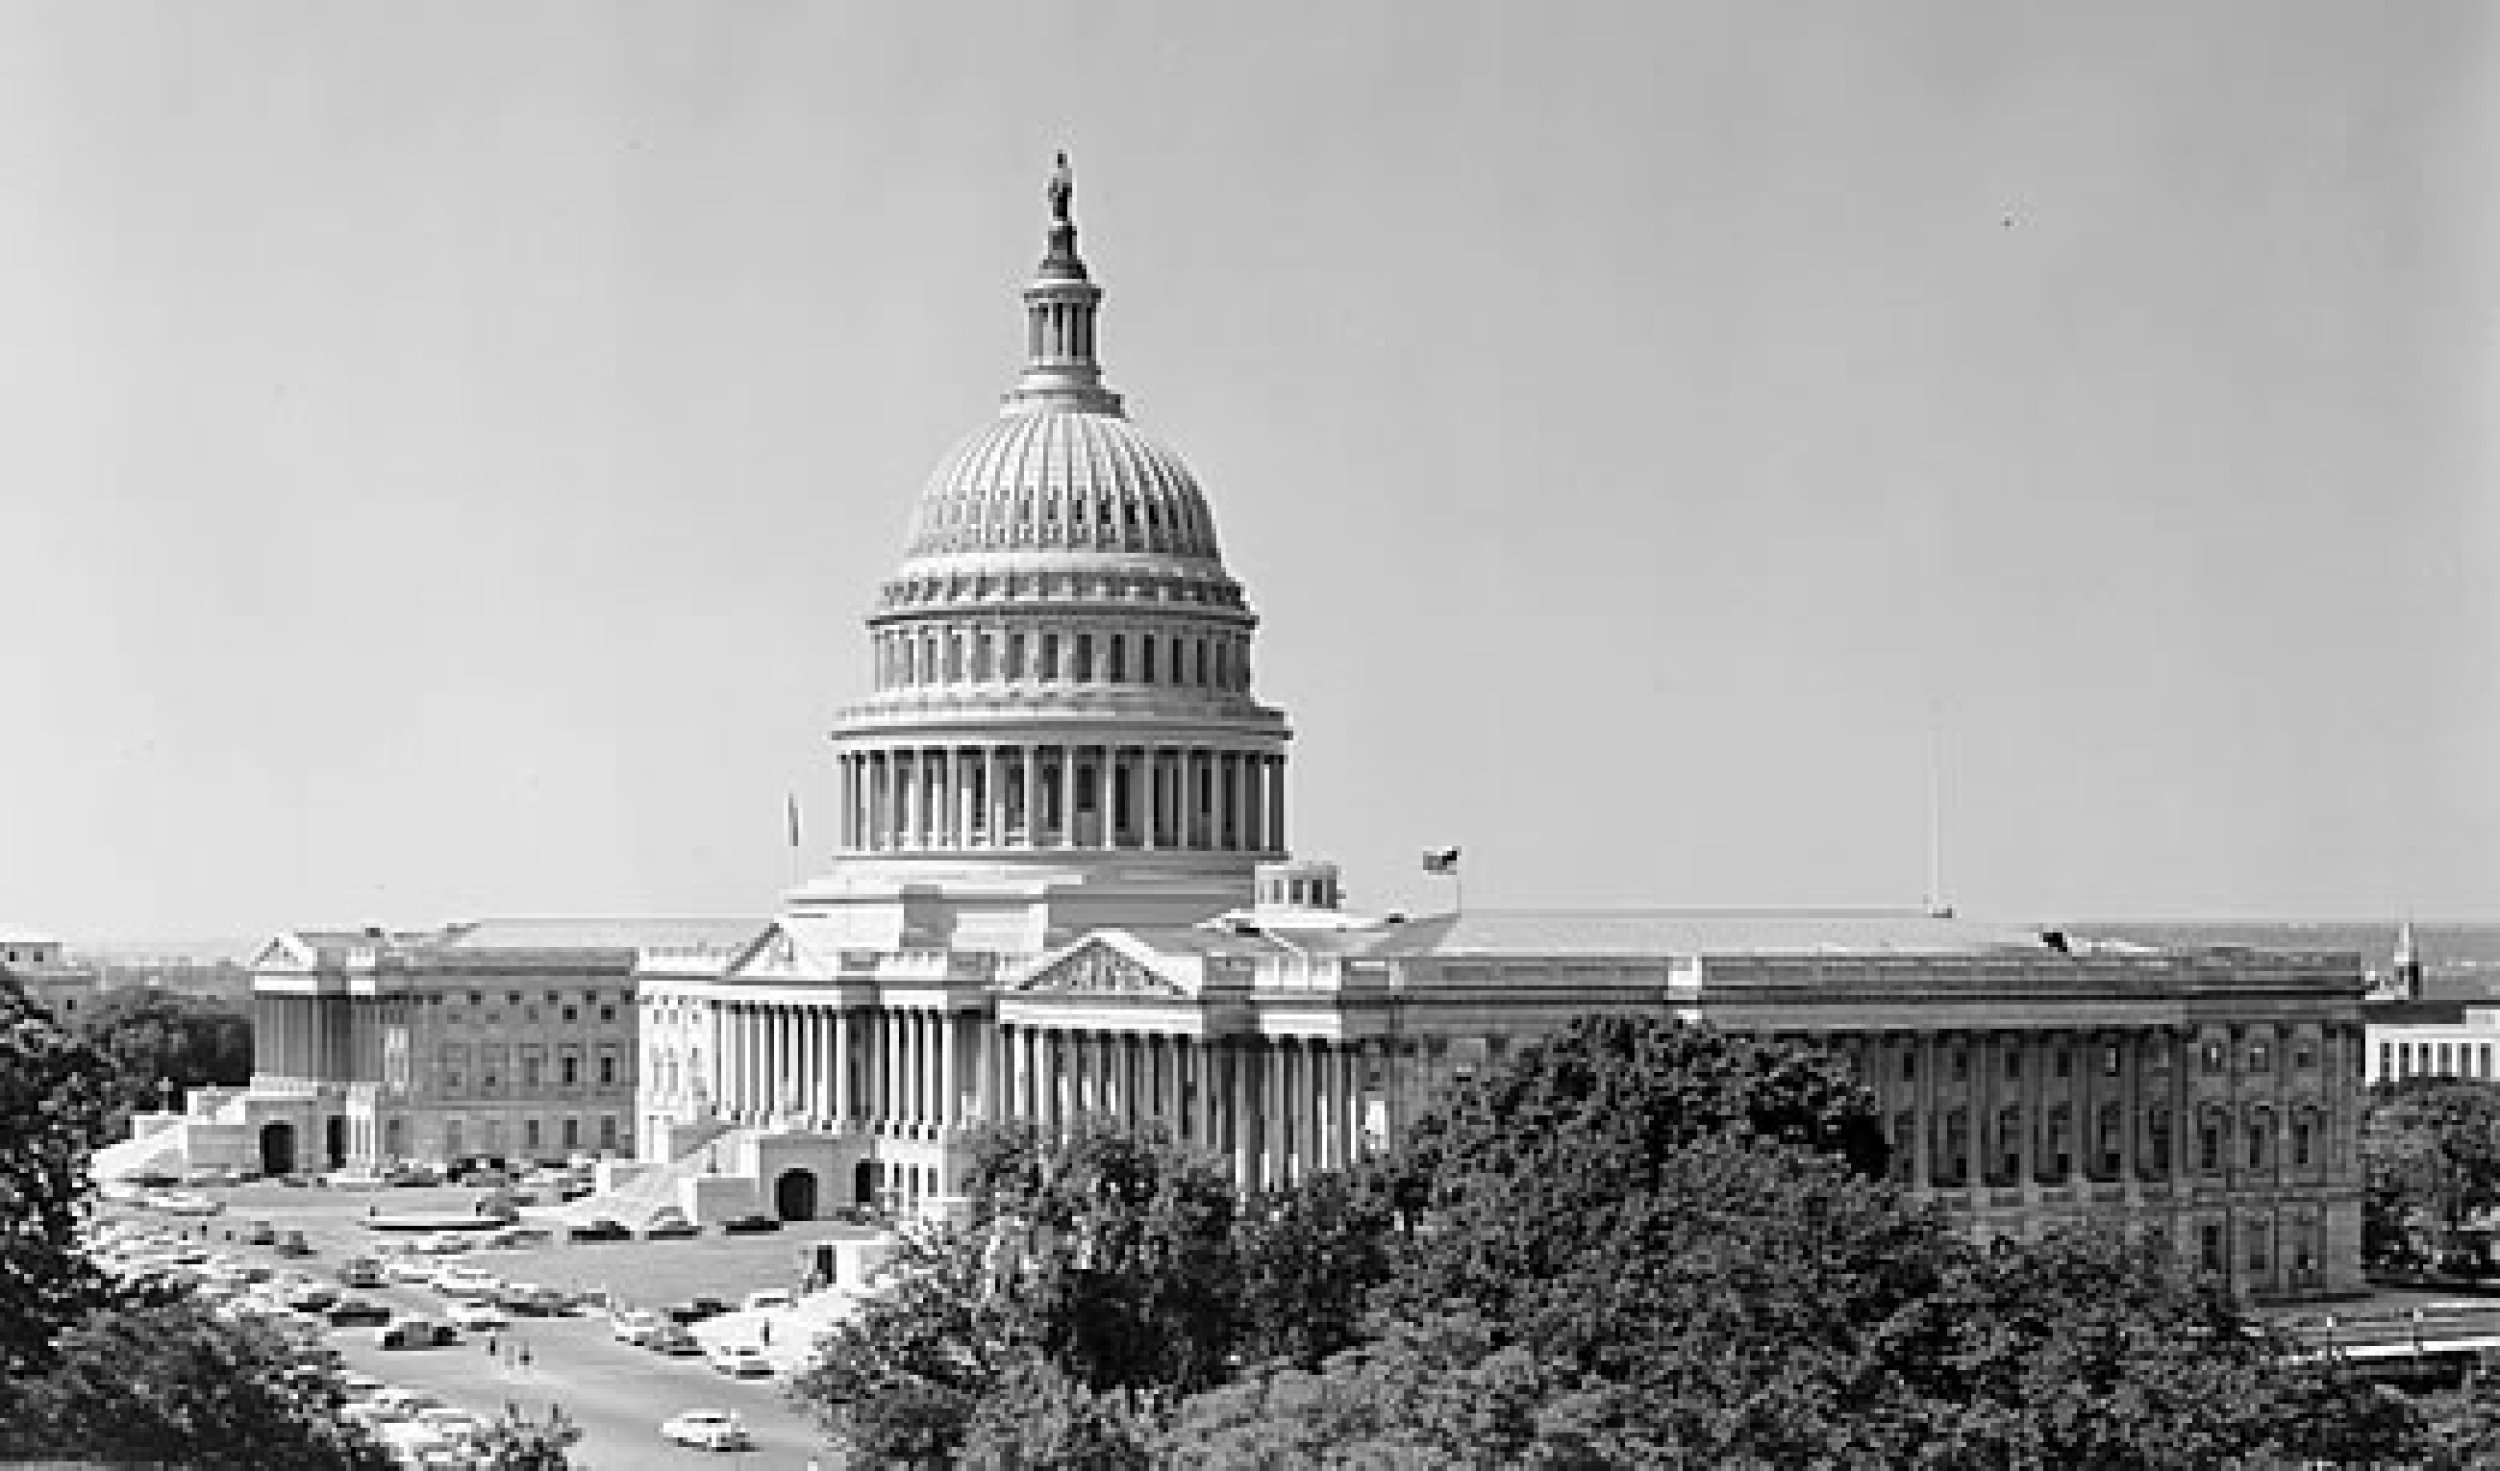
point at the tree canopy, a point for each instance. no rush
(53, 1089)
(2430, 1156)
(1636, 1243)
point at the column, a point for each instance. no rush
(994, 794)
(891, 1066)
(1025, 797)
(1241, 1063)
(839, 1112)
(952, 1113)
(1276, 804)
(1254, 810)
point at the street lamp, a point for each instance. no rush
(165, 1094)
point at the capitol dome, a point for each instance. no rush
(1062, 667)
(1046, 477)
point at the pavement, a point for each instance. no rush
(617, 1393)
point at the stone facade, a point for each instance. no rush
(513, 1038)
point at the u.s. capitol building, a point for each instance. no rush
(1064, 885)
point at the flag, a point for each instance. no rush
(794, 819)
(1440, 860)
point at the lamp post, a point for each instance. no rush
(165, 1094)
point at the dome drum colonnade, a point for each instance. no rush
(1062, 661)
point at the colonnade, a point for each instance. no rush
(913, 1072)
(1279, 1107)
(2005, 1109)
(327, 1038)
(1136, 796)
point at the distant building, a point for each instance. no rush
(20, 946)
(2441, 1022)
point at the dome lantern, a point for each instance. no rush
(1060, 371)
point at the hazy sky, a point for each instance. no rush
(446, 450)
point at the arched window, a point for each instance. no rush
(2260, 1138)
(2209, 1142)
(2109, 1140)
(2304, 1139)
(2157, 1142)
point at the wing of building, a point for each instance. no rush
(1063, 885)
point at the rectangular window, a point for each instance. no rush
(2209, 1243)
(1909, 1065)
(2113, 1062)
(572, 1071)
(607, 1132)
(607, 1013)
(529, 1134)
(607, 1069)
(572, 1133)
(529, 1070)
(2215, 1059)
(2260, 1058)
(2209, 1146)
(572, 1014)
(1961, 1064)
(2014, 1062)
(2065, 1063)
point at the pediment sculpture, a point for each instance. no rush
(1101, 969)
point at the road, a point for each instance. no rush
(617, 1393)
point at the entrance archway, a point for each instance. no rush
(794, 1195)
(864, 1183)
(277, 1149)
(334, 1141)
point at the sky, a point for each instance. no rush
(446, 451)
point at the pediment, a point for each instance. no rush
(1097, 967)
(284, 952)
(776, 955)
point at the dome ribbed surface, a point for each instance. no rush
(1056, 479)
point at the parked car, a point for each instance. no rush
(416, 1332)
(186, 1203)
(634, 1327)
(531, 1300)
(408, 1269)
(349, 1312)
(668, 1224)
(467, 1282)
(710, 1430)
(697, 1309)
(260, 1233)
(312, 1297)
(412, 1172)
(292, 1243)
(476, 1317)
(361, 1271)
(768, 1297)
(750, 1224)
(602, 1229)
(742, 1361)
(673, 1340)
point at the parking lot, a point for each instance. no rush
(618, 1393)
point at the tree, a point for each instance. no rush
(1523, 1169)
(1094, 1279)
(516, 1442)
(174, 1384)
(2430, 1151)
(151, 1037)
(2088, 1349)
(1308, 1259)
(52, 1102)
